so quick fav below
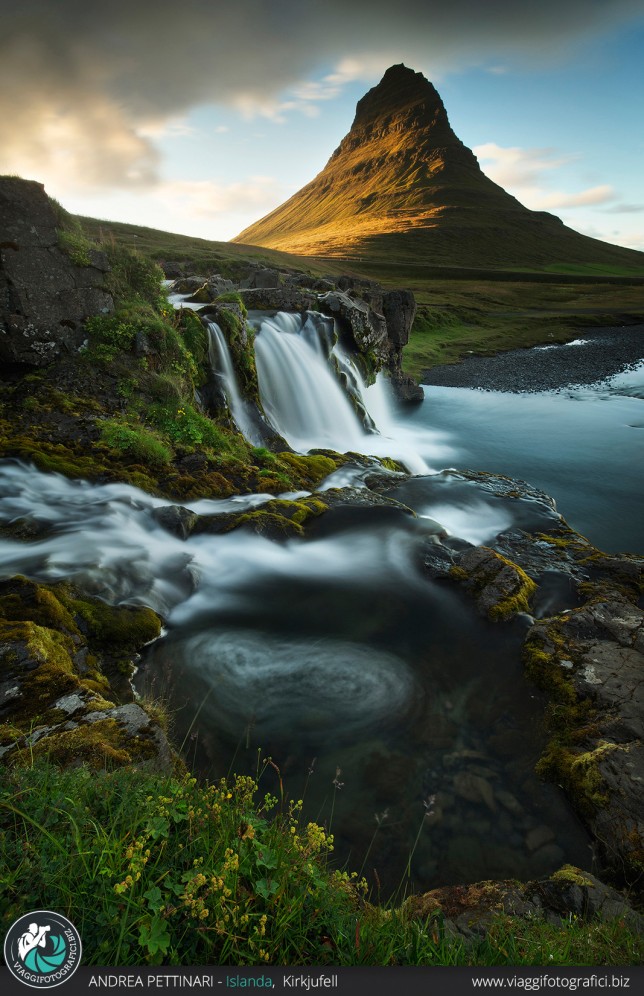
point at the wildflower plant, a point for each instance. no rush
(170, 871)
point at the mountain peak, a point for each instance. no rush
(403, 100)
(401, 184)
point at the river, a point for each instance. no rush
(398, 715)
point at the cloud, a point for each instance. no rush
(523, 171)
(516, 167)
(623, 208)
(203, 198)
(593, 195)
(84, 85)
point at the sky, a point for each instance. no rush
(199, 117)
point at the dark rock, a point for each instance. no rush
(175, 519)
(399, 309)
(277, 299)
(356, 318)
(470, 910)
(219, 285)
(44, 297)
(172, 271)
(188, 285)
(406, 390)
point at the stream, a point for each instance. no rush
(394, 711)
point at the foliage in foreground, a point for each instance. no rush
(167, 871)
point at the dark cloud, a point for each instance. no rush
(79, 79)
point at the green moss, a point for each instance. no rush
(568, 873)
(98, 745)
(232, 297)
(26, 601)
(389, 464)
(122, 629)
(281, 518)
(39, 661)
(483, 578)
(579, 774)
(311, 468)
(518, 601)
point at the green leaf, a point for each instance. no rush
(266, 887)
(158, 827)
(155, 936)
(154, 897)
(266, 857)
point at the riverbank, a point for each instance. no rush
(595, 355)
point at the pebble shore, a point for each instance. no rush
(603, 352)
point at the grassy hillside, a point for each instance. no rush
(461, 310)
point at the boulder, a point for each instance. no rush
(405, 389)
(264, 278)
(172, 271)
(357, 319)
(44, 296)
(276, 299)
(188, 285)
(399, 309)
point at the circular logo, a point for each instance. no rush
(42, 949)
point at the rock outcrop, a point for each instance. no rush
(46, 293)
(65, 664)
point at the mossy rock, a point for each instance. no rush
(279, 519)
(500, 588)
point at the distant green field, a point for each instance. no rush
(462, 310)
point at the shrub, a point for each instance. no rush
(132, 277)
(137, 441)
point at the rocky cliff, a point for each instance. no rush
(50, 281)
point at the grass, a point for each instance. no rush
(166, 870)
(463, 309)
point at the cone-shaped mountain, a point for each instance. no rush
(401, 183)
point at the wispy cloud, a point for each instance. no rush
(623, 208)
(516, 167)
(590, 196)
(203, 198)
(524, 172)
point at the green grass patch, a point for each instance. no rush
(137, 441)
(170, 871)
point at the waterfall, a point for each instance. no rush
(297, 361)
(221, 363)
(299, 394)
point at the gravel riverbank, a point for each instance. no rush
(596, 355)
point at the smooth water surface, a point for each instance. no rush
(585, 447)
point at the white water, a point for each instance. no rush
(222, 364)
(306, 404)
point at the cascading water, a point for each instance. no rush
(221, 363)
(335, 651)
(299, 394)
(304, 400)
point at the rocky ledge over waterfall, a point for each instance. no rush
(374, 322)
